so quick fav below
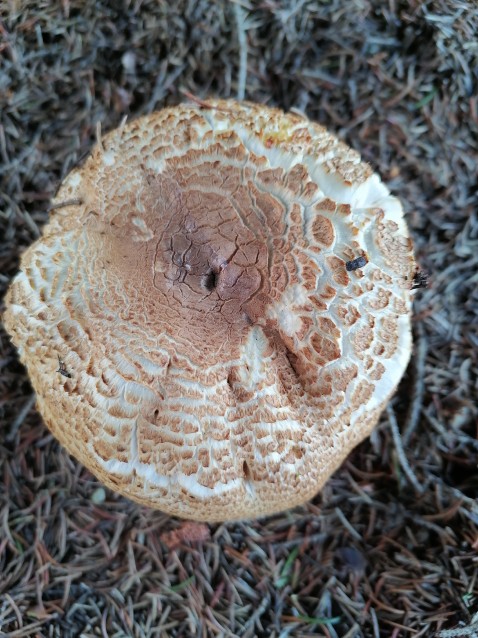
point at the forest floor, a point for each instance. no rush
(389, 548)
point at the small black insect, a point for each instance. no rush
(360, 262)
(420, 280)
(62, 369)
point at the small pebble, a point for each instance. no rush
(98, 496)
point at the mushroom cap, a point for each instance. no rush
(189, 322)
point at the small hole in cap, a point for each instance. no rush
(246, 470)
(210, 280)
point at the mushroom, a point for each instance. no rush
(218, 309)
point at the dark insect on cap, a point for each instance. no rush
(420, 280)
(360, 262)
(62, 369)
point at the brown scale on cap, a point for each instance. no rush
(221, 362)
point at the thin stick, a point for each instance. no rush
(402, 459)
(418, 392)
(241, 36)
(29, 403)
(121, 127)
(68, 202)
(203, 103)
(341, 516)
(98, 137)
